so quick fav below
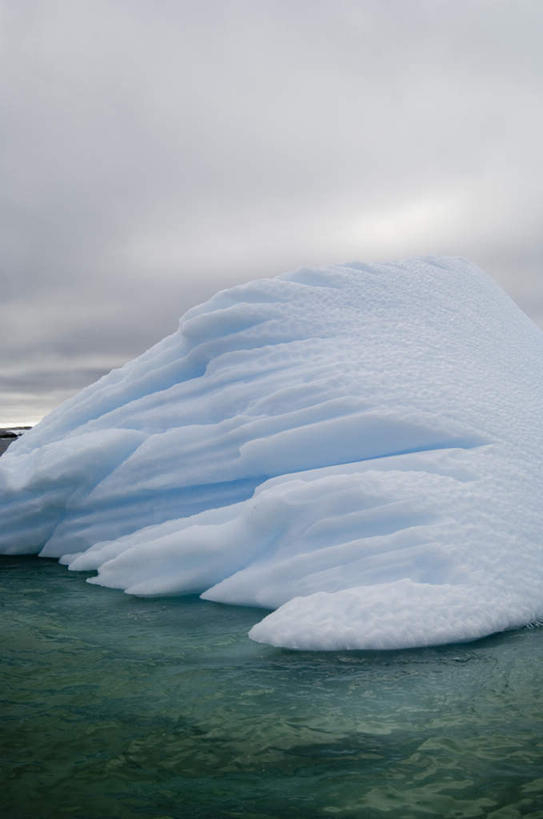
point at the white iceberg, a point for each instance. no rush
(358, 448)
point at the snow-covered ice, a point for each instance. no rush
(358, 448)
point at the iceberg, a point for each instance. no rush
(357, 448)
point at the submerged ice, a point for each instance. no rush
(356, 447)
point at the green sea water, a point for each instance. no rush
(113, 706)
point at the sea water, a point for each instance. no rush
(114, 706)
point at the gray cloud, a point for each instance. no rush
(153, 152)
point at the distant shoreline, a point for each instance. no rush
(10, 434)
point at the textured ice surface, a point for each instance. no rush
(357, 447)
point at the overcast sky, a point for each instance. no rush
(154, 151)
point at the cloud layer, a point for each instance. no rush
(154, 152)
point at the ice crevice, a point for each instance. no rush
(356, 448)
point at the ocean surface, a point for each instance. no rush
(113, 706)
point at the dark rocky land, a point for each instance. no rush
(8, 435)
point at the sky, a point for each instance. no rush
(155, 151)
